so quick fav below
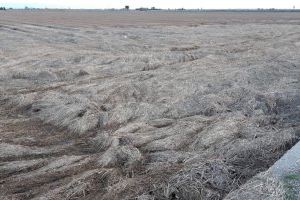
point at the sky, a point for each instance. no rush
(205, 4)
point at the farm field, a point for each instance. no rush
(146, 105)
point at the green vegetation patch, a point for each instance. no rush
(291, 183)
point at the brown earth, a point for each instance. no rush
(94, 18)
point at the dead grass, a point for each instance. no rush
(261, 187)
(146, 112)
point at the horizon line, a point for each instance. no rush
(146, 8)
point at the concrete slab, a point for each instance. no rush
(288, 163)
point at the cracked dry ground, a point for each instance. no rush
(144, 113)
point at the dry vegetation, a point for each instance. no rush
(147, 112)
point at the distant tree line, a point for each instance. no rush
(2, 8)
(145, 9)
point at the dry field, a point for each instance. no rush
(94, 18)
(145, 105)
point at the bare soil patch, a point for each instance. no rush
(98, 18)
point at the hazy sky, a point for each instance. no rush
(149, 3)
